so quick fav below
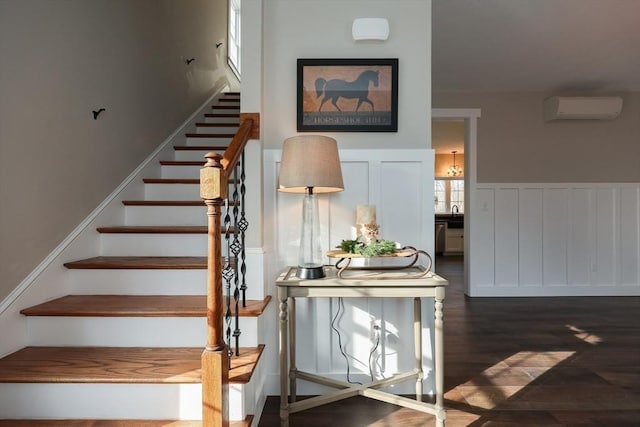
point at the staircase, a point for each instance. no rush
(125, 346)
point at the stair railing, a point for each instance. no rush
(234, 228)
(214, 179)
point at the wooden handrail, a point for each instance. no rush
(233, 152)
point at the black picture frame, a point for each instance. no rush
(347, 95)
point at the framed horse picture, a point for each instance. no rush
(348, 95)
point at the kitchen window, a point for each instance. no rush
(449, 192)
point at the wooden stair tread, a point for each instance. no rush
(181, 163)
(170, 202)
(210, 135)
(116, 423)
(222, 114)
(176, 180)
(131, 365)
(171, 180)
(163, 202)
(199, 148)
(141, 262)
(155, 229)
(216, 125)
(225, 107)
(136, 306)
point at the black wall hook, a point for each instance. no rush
(218, 44)
(190, 60)
(96, 113)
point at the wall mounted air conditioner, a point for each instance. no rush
(582, 108)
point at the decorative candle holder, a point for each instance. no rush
(367, 229)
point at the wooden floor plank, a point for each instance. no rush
(551, 361)
(116, 423)
(136, 306)
(132, 365)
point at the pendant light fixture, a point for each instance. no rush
(454, 170)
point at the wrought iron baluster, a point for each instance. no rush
(236, 248)
(243, 225)
(228, 274)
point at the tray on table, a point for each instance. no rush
(410, 253)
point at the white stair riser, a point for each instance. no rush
(192, 155)
(235, 110)
(154, 282)
(130, 331)
(183, 172)
(222, 120)
(217, 129)
(166, 215)
(167, 191)
(172, 191)
(114, 244)
(250, 391)
(132, 244)
(208, 141)
(138, 282)
(112, 401)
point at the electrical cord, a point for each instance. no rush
(373, 350)
(339, 311)
(344, 354)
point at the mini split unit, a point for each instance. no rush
(582, 108)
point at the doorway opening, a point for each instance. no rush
(454, 140)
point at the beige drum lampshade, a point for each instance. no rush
(310, 161)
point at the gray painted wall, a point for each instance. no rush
(60, 61)
(516, 145)
(322, 29)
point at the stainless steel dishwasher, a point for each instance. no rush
(440, 233)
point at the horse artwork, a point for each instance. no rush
(349, 95)
(358, 89)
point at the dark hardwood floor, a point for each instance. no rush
(517, 362)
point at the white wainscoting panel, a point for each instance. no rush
(555, 232)
(555, 239)
(629, 224)
(483, 240)
(606, 253)
(530, 237)
(580, 222)
(506, 253)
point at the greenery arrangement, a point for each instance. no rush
(380, 247)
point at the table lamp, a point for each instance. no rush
(310, 165)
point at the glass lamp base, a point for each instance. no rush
(310, 272)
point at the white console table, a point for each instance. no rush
(370, 283)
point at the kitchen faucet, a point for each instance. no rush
(454, 210)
